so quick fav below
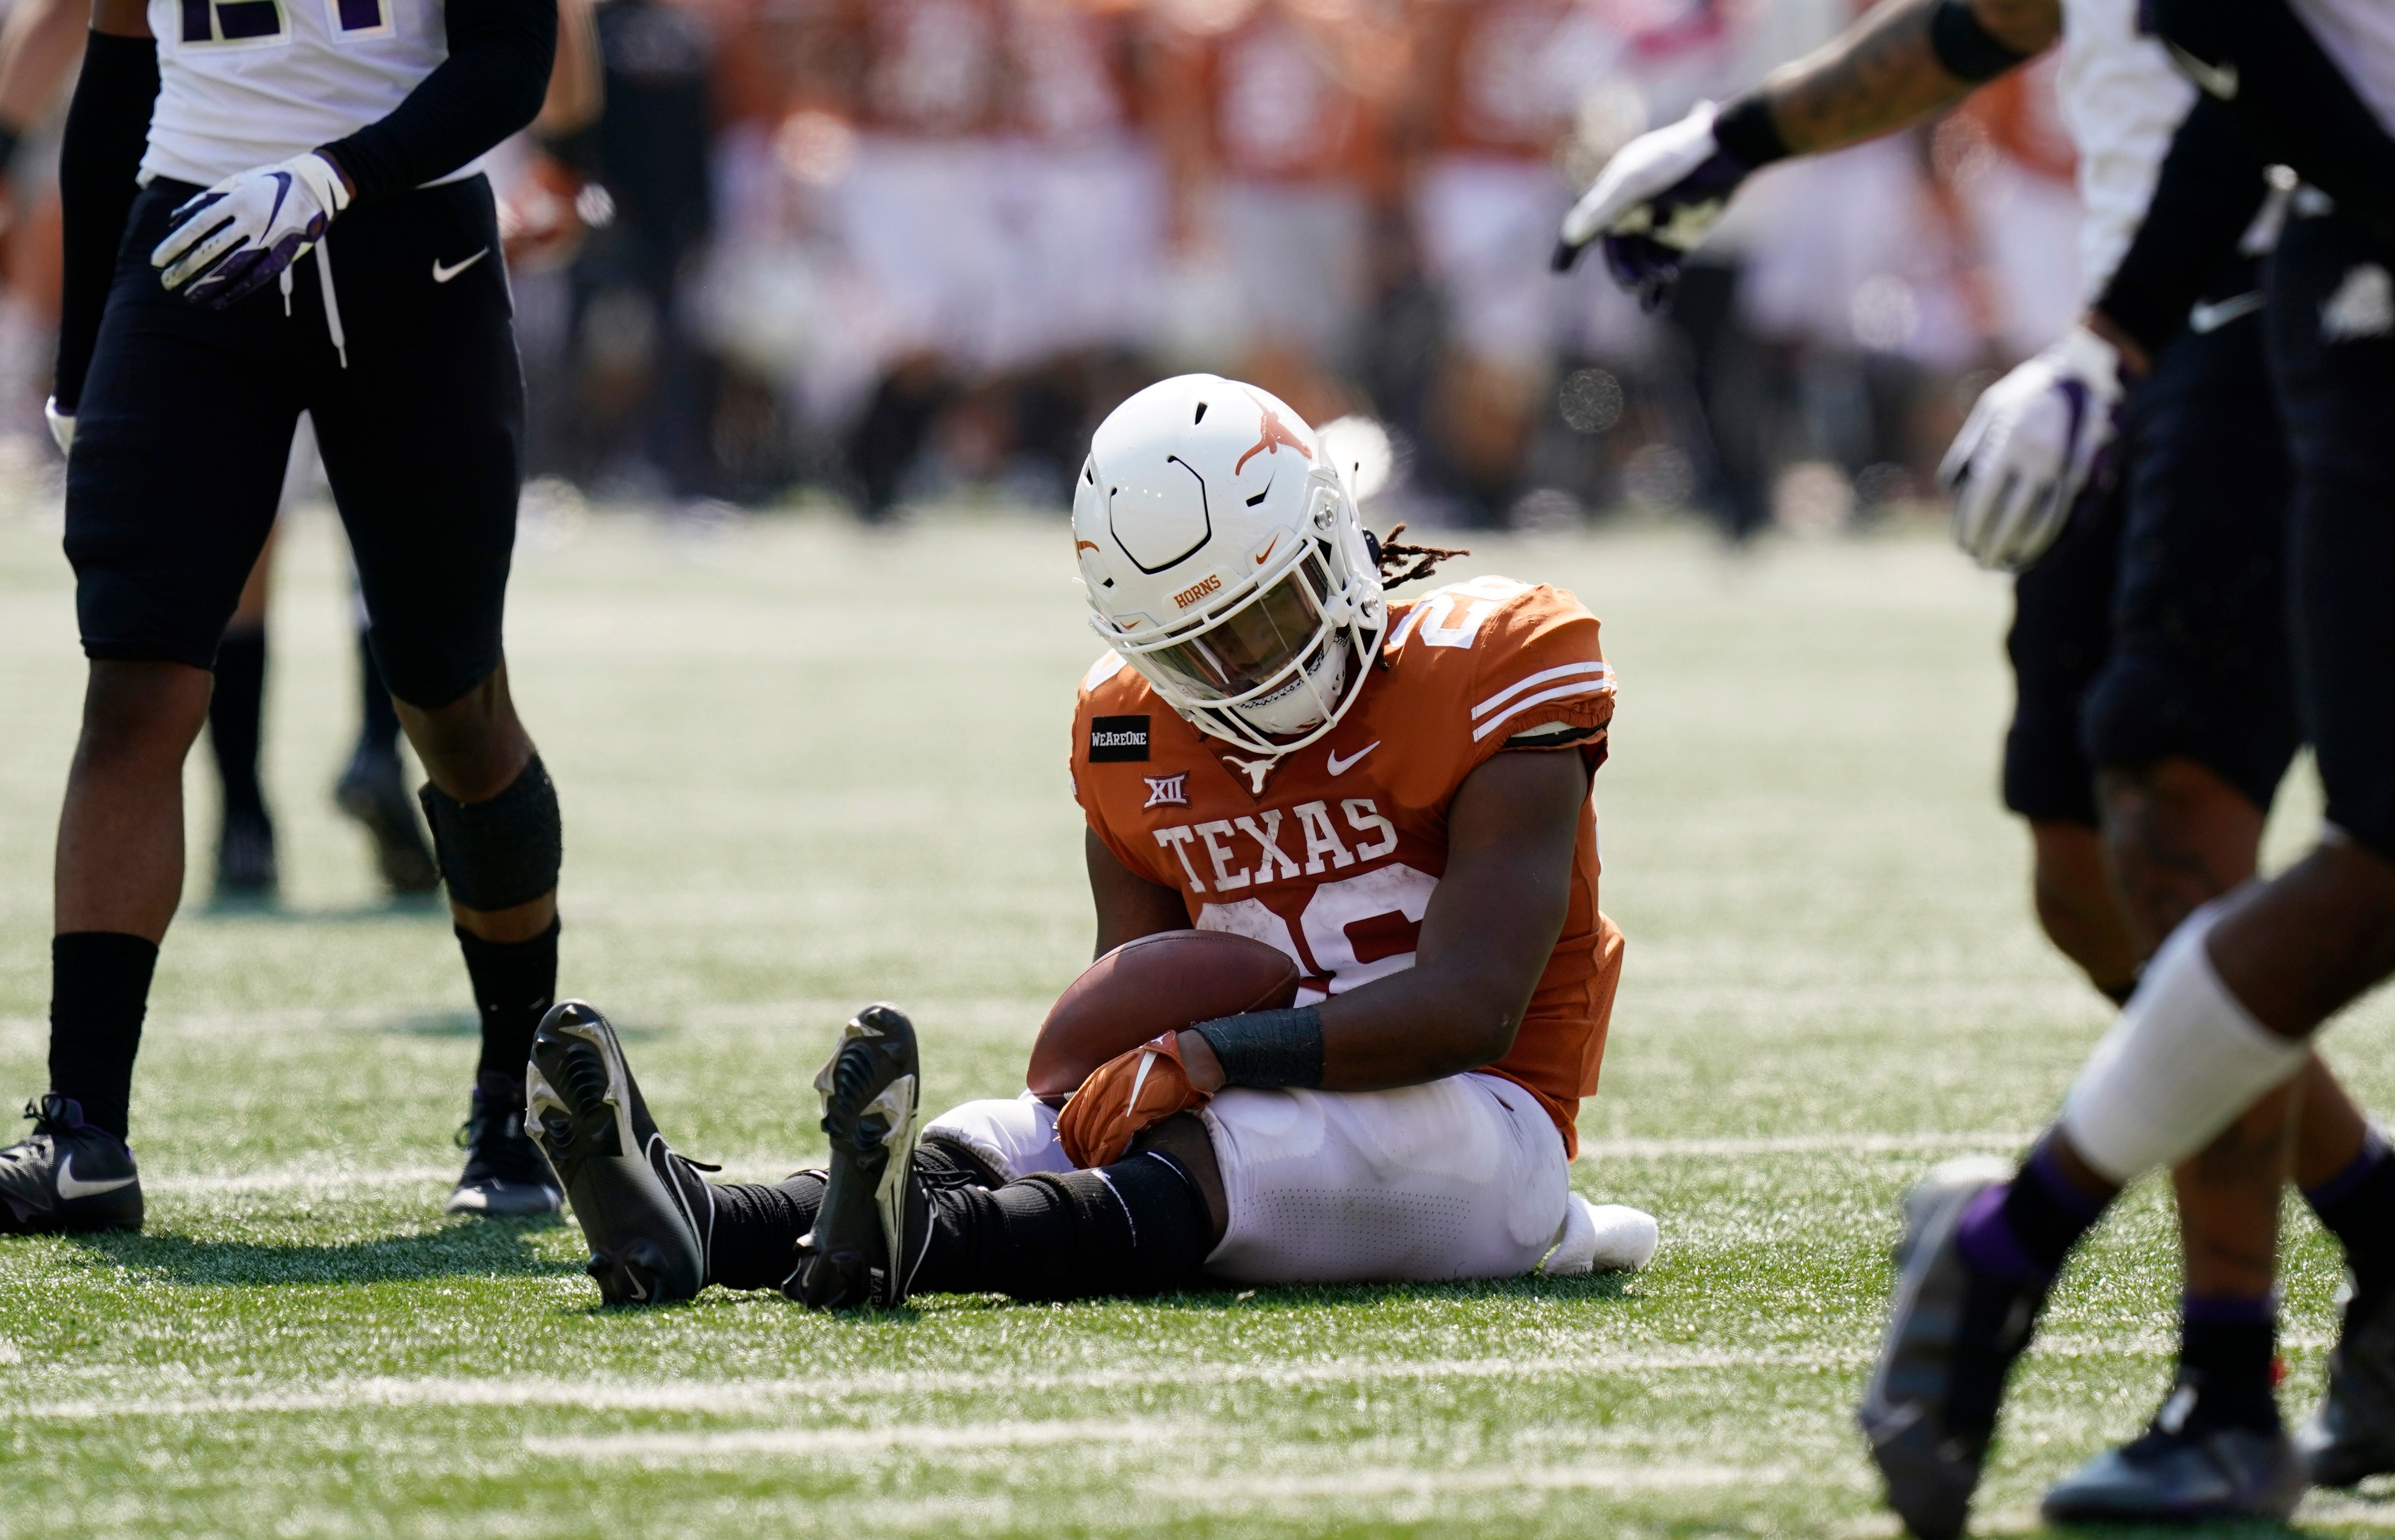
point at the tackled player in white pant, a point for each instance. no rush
(1395, 795)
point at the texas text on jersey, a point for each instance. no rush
(1333, 861)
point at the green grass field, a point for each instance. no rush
(804, 767)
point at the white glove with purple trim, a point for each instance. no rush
(2029, 449)
(242, 233)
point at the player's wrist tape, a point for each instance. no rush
(1268, 1047)
(1965, 48)
(499, 853)
(1745, 129)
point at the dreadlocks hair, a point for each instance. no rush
(1398, 562)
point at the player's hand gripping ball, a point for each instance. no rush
(1158, 983)
(241, 234)
(1129, 1093)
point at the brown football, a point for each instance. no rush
(1155, 984)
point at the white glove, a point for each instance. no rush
(62, 425)
(2028, 448)
(240, 234)
(1667, 187)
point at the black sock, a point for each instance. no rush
(378, 720)
(2228, 1349)
(99, 989)
(2357, 1205)
(514, 984)
(1137, 1226)
(234, 710)
(757, 1229)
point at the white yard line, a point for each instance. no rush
(1797, 1144)
(731, 1397)
(1398, 1482)
(821, 1441)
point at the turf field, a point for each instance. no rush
(804, 767)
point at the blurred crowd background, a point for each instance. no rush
(896, 251)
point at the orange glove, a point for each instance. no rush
(1126, 1093)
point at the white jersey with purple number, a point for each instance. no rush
(248, 83)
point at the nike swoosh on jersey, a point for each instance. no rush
(70, 1189)
(2211, 316)
(1341, 767)
(441, 274)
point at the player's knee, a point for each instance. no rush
(2143, 718)
(503, 852)
(1015, 1137)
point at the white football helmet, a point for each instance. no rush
(1226, 561)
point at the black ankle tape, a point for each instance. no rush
(503, 852)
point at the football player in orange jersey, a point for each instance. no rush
(1397, 794)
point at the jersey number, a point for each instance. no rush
(1351, 931)
(260, 21)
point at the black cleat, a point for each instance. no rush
(874, 1207)
(373, 791)
(646, 1212)
(67, 1176)
(246, 873)
(2353, 1432)
(1930, 1408)
(2181, 1472)
(505, 1175)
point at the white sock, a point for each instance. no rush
(2179, 1066)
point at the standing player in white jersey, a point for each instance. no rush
(221, 159)
(2138, 612)
(2227, 1012)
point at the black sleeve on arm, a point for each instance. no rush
(2270, 71)
(99, 155)
(490, 86)
(1965, 48)
(2211, 184)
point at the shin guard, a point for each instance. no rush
(500, 853)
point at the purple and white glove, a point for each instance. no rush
(2028, 448)
(1654, 203)
(241, 234)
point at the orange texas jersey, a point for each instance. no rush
(1335, 859)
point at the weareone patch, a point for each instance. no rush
(1117, 739)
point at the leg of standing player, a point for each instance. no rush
(2227, 1011)
(430, 361)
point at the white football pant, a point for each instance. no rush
(1463, 1178)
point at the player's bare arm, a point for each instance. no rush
(1884, 72)
(120, 18)
(1129, 905)
(1656, 201)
